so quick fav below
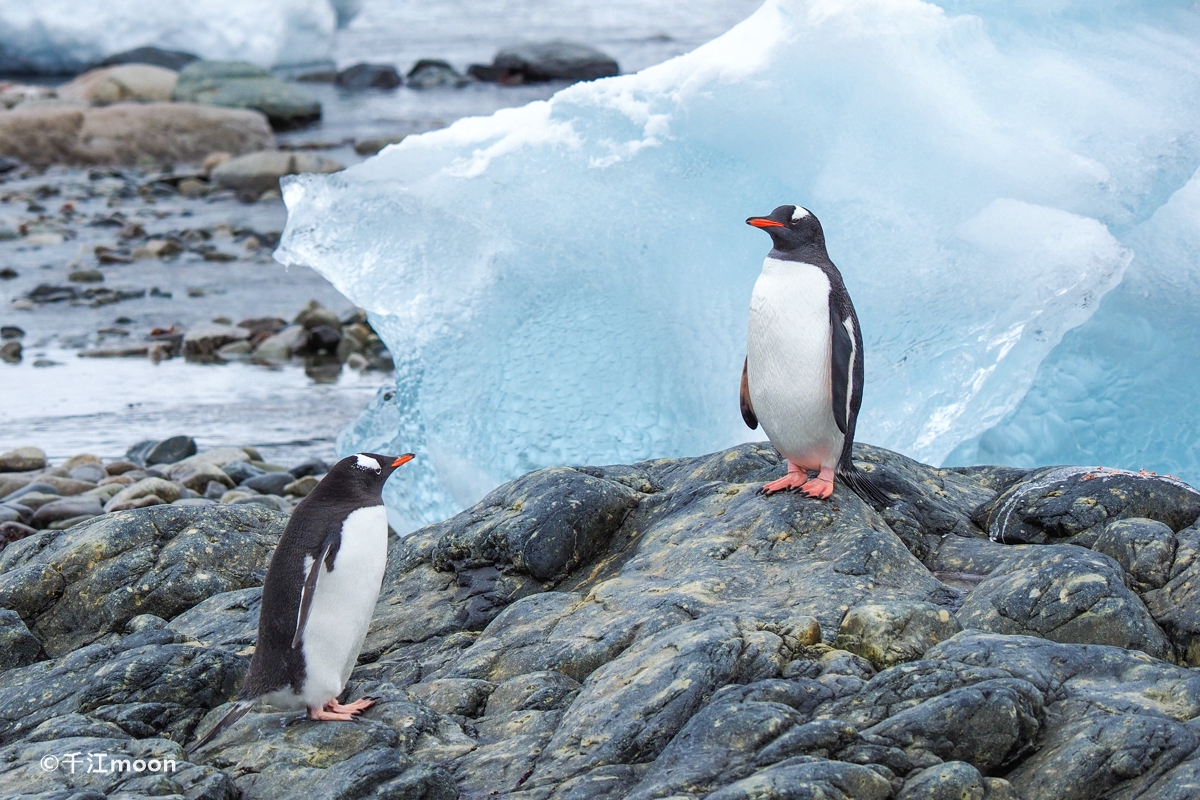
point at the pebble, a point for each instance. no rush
(86, 276)
(22, 459)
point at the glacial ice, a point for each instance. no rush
(64, 36)
(568, 282)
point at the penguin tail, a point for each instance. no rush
(863, 485)
(239, 710)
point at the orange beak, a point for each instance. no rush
(762, 222)
(404, 459)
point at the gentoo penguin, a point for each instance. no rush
(803, 373)
(319, 594)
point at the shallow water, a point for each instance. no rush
(71, 404)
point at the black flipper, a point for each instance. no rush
(841, 365)
(306, 594)
(747, 408)
(239, 710)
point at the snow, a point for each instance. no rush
(568, 282)
(64, 36)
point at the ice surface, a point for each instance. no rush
(568, 282)
(51, 36)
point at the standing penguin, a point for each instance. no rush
(319, 595)
(803, 374)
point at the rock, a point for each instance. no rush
(197, 475)
(11, 531)
(241, 471)
(312, 466)
(115, 84)
(238, 84)
(86, 276)
(429, 73)
(77, 585)
(314, 315)
(891, 633)
(269, 483)
(67, 508)
(120, 467)
(10, 352)
(22, 459)
(1145, 549)
(369, 76)
(258, 172)
(546, 61)
(266, 500)
(164, 490)
(11, 332)
(465, 697)
(953, 780)
(89, 473)
(169, 59)
(1176, 606)
(322, 340)
(301, 486)
(171, 450)
(372, 145)
(18, 646)
(1068, 501)
(202, 341)
(218, 455)
(809, 778)
(1066, 594)
(129, 133)
(282, 345)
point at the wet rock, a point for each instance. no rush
(202, 341)
(171, 450)
(1066, 594)
(77, 585)
(11, 332)
(165, 490)
(953, 780)
(10, 352)
(129, 133)
(891, 633)
(118, 83)
(269, 483)
(238, 84)
(197, 475)
(67, 508)
(369, 76)
(258, 172)
(22, 459)
(322, 340)
(18, 646)
(372, 145)
(546, 61)
(430, 73)
(168, 59)
(282, 345)
(1067, 501)
(1145, 549)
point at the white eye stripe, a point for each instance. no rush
(366, 462)
(800, 213)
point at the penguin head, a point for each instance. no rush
(792, 228)
(364, 473)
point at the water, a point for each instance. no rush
(72, 405)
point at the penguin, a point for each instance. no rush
(803, 374)
(319, 595)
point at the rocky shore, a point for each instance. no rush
(650, 630)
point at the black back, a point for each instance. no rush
(315, 523)
(803, 240)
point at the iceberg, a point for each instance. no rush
(568, 282)
(65, 36)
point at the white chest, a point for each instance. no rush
(343, 604)
(788, 361)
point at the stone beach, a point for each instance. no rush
(651, 630)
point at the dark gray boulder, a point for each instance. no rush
(239, 84)
(1066, 594)
(369, 76)
(73, 586)
(431, 73)
(546, 61)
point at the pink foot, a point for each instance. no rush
(795, 479)
(821, 486)
(322, 714)
(356, 707)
